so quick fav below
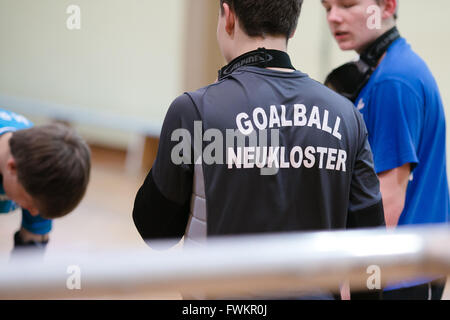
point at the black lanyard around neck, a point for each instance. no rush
(350, 78)
(261, 58)
(375, 51)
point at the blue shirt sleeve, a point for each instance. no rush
(35, 224)
(394, 122)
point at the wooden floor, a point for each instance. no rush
(103, 219)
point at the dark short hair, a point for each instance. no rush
(260, 17)
(53, 165)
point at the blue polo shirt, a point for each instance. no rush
(10, 122)
(404, 115)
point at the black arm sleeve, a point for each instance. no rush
(156, 217)
(162, 204)
(370, 217)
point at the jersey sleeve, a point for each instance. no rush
(394, 123)
(173, 168)
(365, 205)
(162, 204)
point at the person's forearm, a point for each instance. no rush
(393, 208)
(393, 185)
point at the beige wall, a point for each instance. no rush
(202, 57)
(125, 59)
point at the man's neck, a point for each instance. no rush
(269, 43)
(248, 44)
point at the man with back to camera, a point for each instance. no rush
(301, 149)
(402, 108)
(45, 171)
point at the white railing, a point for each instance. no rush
(236, 265)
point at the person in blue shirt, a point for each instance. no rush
(44, 172)
(404, 115)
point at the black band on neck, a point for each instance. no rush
(350, 78)
(375, 51)
(261, 58)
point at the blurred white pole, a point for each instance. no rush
(231, 266)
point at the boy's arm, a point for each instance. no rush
(32, 235)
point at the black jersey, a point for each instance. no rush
(260, 151)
